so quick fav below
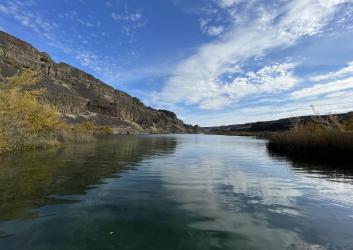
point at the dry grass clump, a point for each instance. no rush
(85, 132)
(91, 128)
(26, 123)
(323, 136)
(104, 130)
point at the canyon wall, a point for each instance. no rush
(81, 97)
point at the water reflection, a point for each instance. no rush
(173, 192)
(31, 179)
(254, 200)
(335, 169)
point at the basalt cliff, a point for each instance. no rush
(81, 97)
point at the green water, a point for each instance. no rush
(172, 192)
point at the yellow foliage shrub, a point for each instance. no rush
(24, 121)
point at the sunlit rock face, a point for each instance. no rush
(80, 96)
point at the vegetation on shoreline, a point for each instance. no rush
(27, 123)
(322, 137)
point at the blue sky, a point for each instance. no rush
(213, 62)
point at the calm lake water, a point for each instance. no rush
(172, 192)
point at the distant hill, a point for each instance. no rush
(81, 97)
(268, 126)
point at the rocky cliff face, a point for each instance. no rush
(80, 96)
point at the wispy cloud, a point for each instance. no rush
(19, 10)
(82, 45)
(333, 75)
(88, 24)
(89, 60)
(329, 83)
(331, 104)
(130, 17)
(213, 30)
(228, 3)
(325, 88)
(129, 20)
(333, 94)
(199, 78)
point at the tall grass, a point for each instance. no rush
(27, 123)
(324, 137)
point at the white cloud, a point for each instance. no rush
(133, 17)
(130, 21)
(326, 88)
(228, 3)
(110, 68)
(330, 84)
(338, 102)
(86, 58)
(333, 75)
(269, 79)
(198, 78)
(85, 23)
(330, 97)
(20, 12)
(213, 30)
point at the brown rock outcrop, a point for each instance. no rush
(80, 96)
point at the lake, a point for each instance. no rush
(172, 192)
